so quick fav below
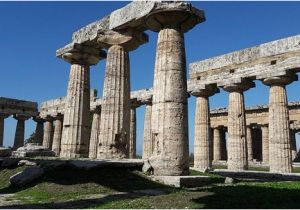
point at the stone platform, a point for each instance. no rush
(257, 175)
(32, 150)
(81, 163)
(183, 181)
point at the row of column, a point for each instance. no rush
(276, 138)
(20, 129)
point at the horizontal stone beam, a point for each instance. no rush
(56, 106)
(271, 59)
(220, 110)
(14, 106)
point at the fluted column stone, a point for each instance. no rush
(2, 118)
(265, 143)
(148, 144)
(293, 144)
(132, 135)
(279, 128)
(217, 150)
(94, 138)
(169, 105)
(39, 130)
(48, 133)
(56, 145)
(249, 143)
(115, 111)
(237, 143)
(76, 123)
(20, 130)
(203, 145)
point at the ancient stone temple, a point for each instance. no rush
(82, 125)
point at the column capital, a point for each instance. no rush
(240, 87)
(79, 54)
(96, 109)
(58, 116)
(38, 119)
(208, 91)
(130, 39)
(134, 103)
(21, 117)
(48, 118)
(181, 15)
(4, 115)
(280, 80)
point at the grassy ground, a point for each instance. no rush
(115, 188)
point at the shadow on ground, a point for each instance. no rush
(250, 195)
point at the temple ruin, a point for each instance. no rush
(80, 125)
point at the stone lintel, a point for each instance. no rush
(14, 106)
(289, 45)
(81, 54)
(4, 115)
(135, 103)
(137, 13)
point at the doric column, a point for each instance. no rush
(148, 145)
(39, 130)
(115, 111)
(76, 123)
(58, 124)
(223, 144)
(132, 135)
(217, 141)
(265, 143)
(169, 104)
(2, 118)
(293, 144)
(203, 139)
(48, 132)
(95, 132)
(20, 130)
(249, 143)
(237, 144)
(279, 128)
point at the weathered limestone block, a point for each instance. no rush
(115, 108)
(27, 176)
(39, 130)
(148, 144)
(20, 130)
(203, 146)
(249, 143)
(57, 134)
(76, 124)
(279, 127)
(95, 132)
(169, 110)
(265, 143)
(48, 133)
(115, 111)
(237, 144)
(32, 150)
(2, 117)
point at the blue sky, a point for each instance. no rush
(30, 32)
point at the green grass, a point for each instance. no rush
(75, 188)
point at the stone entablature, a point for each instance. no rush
(257, 114)
(277, 58)
(56, 106)
(14, 106)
